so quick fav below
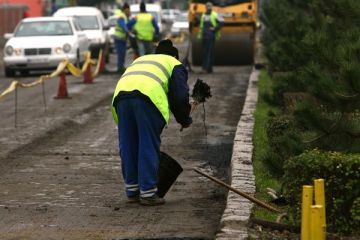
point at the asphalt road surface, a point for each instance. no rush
(60, 170)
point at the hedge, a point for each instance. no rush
(341, 172)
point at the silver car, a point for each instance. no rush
(41, 43)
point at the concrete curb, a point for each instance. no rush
(233, 224)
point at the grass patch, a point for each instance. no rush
(261, 146)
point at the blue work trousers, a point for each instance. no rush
(208, 54)
(145, 47)
(140, 126)
(120, 47)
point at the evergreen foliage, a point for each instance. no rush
(317, 44)
(284, 143)
(313, 51)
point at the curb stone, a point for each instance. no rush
(234, 221)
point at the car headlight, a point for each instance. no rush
(67, 48)
(58, 50)
(9, 50)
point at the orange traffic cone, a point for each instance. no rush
(88, 75)
(62, 90)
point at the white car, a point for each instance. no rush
(181, 24)
(92, 22)
(40, 43)
(169, 15)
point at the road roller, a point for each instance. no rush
(236, 45)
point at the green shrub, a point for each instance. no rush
(355, 210)
(284, 142)
(342, 186)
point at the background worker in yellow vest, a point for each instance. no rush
(151, 87)
(120, 35)
(210, 24)
(145, 27)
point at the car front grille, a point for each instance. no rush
(37, 51)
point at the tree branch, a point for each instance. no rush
(326, 133)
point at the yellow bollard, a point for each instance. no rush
(307, 200)
(316, 227)
(320, 200)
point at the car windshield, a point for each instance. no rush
(44, 28)
(88, 22)
(223, 3)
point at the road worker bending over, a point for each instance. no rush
(151, 86)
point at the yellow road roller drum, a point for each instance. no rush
(237, 42)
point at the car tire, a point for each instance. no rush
(9, 72)
(78, 60)
(106, 51)
(107, 55)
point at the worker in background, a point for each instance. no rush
(151, 87)
(145, 27)
(120, 35)
(210, 24)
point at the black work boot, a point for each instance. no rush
(154, 200)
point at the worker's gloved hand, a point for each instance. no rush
(186, 125)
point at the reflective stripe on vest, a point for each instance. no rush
(149, 75)
(214, 23)
(119, 32)
(163, 69)
(143, 27)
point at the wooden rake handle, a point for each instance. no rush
(247, 196)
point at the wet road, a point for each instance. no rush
(60, 170)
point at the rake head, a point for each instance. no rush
(201, 91)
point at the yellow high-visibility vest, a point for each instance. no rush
(143, 27)
(119, 32)
(214, 23)
(149, 75)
